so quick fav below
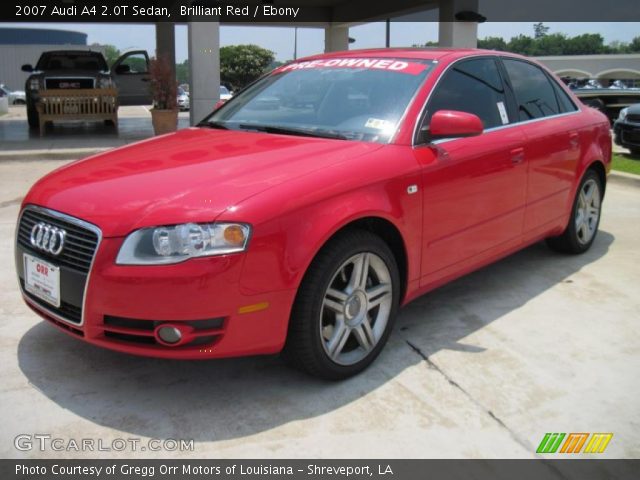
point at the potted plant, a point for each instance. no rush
(164, 114)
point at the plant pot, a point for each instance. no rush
(164, 121)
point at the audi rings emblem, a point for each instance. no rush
(47, 238)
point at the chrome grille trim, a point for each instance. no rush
(75, 225)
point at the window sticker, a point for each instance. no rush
(389, 64)
(379, 124)
(503, 113)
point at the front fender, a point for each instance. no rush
(312, 210)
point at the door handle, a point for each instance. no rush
(517, 155)
(144, 79)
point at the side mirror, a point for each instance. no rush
(123, 68)
(27, 68)
(454, 124)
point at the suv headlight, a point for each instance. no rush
(177, 243)
(105, 82)
(34, 84)
(623, 114)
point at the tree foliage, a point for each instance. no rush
(242, 64)
(111, 54)
(544, 43)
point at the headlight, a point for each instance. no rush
(34, 84)
(173, 244)
(623, 114)
(105, 82)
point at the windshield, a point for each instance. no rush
(224, 90)
(350, 98)
(92, 61)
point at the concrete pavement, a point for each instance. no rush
(481, 368)
(74, 139)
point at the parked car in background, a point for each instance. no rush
(86, 69)
(16, 97)
(627, 129)
(302, 226)
(225, 93)
(183, 100)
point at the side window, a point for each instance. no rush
(134, 63)
(534, 92)
(566, 104)
(472, 86)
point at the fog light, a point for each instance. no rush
(169, 335)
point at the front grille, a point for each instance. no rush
(69, 83)
(633, 118)
(65, 310)
(129, 330)
(79, 244)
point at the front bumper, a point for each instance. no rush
(122, 305)
(627, 134)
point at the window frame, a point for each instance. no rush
(509, 99)
(512, 108)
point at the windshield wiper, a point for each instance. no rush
(214, 124)
(293, 131)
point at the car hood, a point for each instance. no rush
(189, 176)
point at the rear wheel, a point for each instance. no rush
(345, 307)
(585, 217)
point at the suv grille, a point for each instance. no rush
(79, 244)
(633, 117)
(69, 83)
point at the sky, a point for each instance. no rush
(311, 41)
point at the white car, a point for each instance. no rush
(225, 94)
(16, 97)
(183, 99)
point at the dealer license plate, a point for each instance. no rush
(42, 279)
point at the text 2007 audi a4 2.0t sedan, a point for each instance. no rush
(302, 213)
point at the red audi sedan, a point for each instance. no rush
(300, 215)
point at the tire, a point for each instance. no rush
(580, 233)
(635, 152)
(19, 102)
(33, 118)
(333, 345)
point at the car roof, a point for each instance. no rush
(419, 53)
(71, 52)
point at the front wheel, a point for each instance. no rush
(585, 217)
(33, 118)
(345, 307)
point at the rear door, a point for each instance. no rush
(131, 74)
(474, 188)
(553, 143)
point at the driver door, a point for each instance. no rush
(474, 188)
(131, 75)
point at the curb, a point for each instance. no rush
(623, 178)
(53, 154)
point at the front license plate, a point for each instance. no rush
(42, 279)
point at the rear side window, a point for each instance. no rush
(566, 105)
(472, 86)
(534, 92)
